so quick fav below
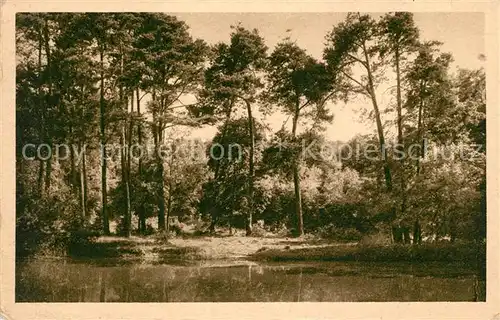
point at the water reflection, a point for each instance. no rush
(70, 281)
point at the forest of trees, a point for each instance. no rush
(90, 81)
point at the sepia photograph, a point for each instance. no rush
(186, 157)
(161, 160)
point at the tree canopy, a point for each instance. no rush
(103, 143)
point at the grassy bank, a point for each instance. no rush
(188, 248)
(467, 253)
(134, 249)
(156, 250)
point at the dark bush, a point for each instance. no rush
(339, 234)
(81, 241)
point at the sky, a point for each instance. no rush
(462, 35)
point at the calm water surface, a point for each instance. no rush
(64, 280)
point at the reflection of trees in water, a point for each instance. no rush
(83, 282)
(165, 291)
(300, 285)
(102, 286)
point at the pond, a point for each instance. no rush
(65, 280)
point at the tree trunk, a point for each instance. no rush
(251, 173)
(72, 175)
(452, 228)
(77, 185)
(169, 209)
(296, 177)
(83, 169)
(123, 155)
(104, 183)
(170, 191)
(157, 140)
(142, 208)
(420, 135)
(380, 131)
(128, 221)
(48, 170)
(397, 234)
(161, 198)
(419, 138)
(142, 220)
(417, 231)
(213, 223)
(383, 147)
(41, 168)
(82, 190)
(380, 128)
(84, 178)
(298, 199)
(399, 108)
(128, 217)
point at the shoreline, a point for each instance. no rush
(250, 250)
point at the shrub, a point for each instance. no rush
(199, 228)
(468, 254)
(339, 234)
(163, 236)
(258, 231)
(50, 225)
(375, 239)
(149, 229)
(177, 229)
(80, 241)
